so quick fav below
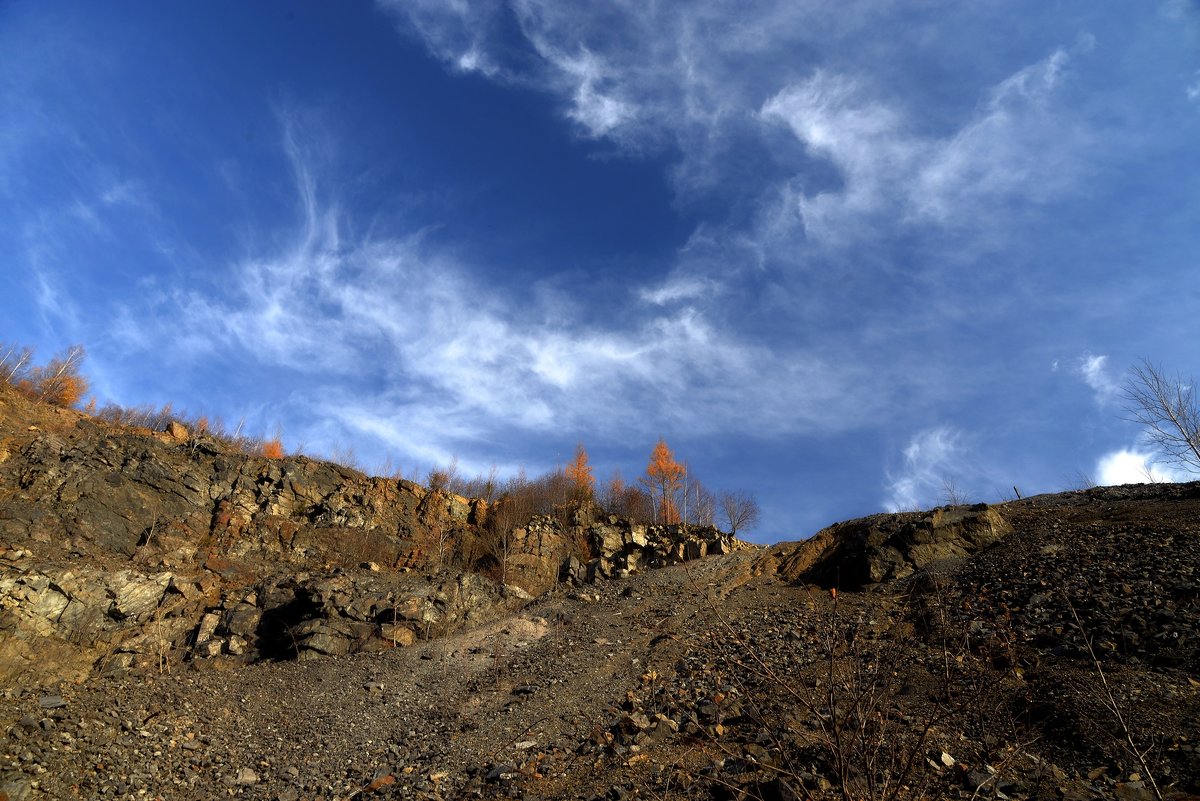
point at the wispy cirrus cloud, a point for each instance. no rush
(1018, 145)
(659, 76)
(446, 357)
(934, 460)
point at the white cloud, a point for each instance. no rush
(795, 142)
(1016, 146)
(1094, 371)
(585, 73)
(1019, 145)
(679, 288)
(456, 31)
(708, 81)
(1131, 466)
(833, 117)
(931, 458)
(642, 74)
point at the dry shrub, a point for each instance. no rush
(273, 448)
(144, 416)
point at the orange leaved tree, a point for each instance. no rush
(579, 474)
(664, 479)
(59, 381)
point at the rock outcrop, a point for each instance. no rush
(59, 624)
(880, 548)
(124, 548)
(620, 547)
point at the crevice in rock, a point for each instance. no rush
(276, 639)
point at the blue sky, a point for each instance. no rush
(834, 253)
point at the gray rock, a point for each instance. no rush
(51, 702)
(207, 628)
(572, 570)
(242, 620)
(14, 787)
(325, 642)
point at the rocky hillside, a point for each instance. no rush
(1047, 648)
(124, 548)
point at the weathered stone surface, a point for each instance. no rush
(51, 702)
(326, 641)
(397, 634)
(209, 648)
(208, 627)
(136, 596)
(242, 620)
(49, 603)
(885, 547)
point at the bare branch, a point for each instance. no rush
(1166, 408)
(740, 510)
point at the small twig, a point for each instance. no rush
(1017, 750)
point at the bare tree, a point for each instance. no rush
(1080, 480)
(952, 493)
(1167, 408)
(515, 507)
(740, 510)
(13, 361)
(702, 510)
(443, 478)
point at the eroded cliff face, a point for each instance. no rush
(93, 490)
(122, 548)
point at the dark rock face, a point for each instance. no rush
(102, 493)
(123, 548)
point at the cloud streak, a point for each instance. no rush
(656, 76)
(933, 458)
(457, 358)
(1014, 147)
